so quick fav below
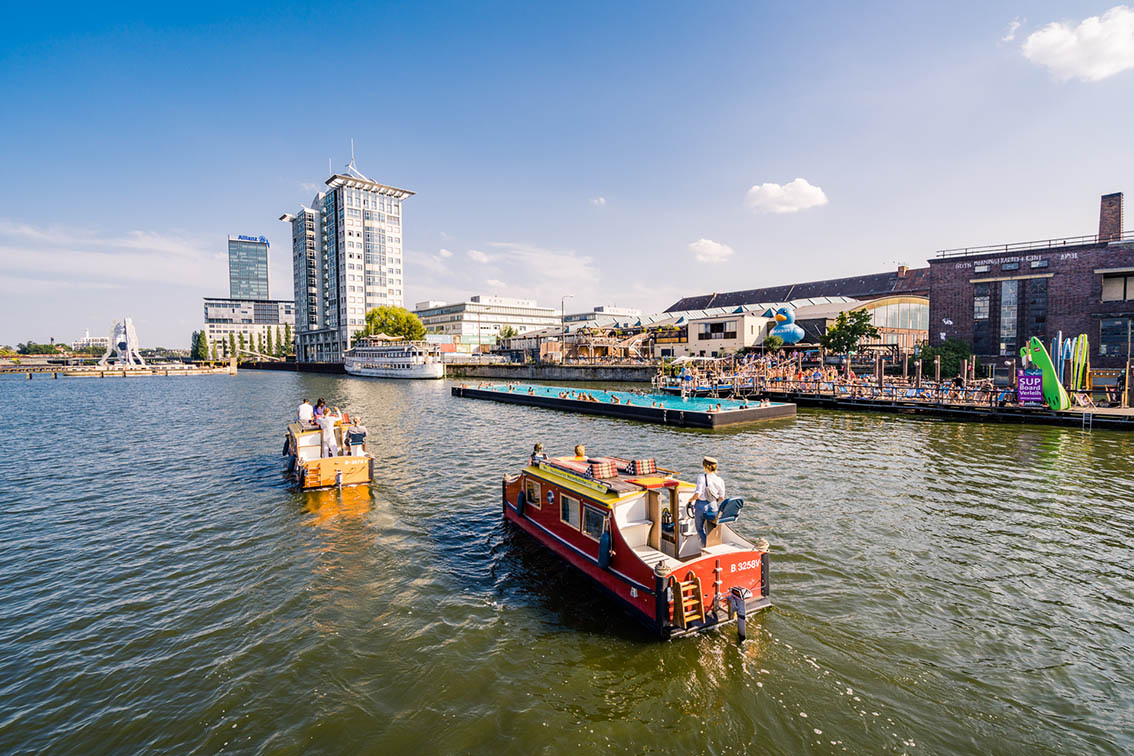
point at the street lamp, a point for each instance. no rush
(563, 327)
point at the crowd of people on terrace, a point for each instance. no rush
(757, 373)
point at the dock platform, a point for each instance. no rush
(650, 408)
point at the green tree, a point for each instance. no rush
(951, 352)
(271, 348)
(213, 351)
(231, 345)
(508, 332)
(240, 342)
(773, 343)
(200, 349)
(260, 343)
(393, 321)
(849, 329)
(287, 343)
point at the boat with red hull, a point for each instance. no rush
(628, 525)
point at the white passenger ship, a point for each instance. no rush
(383, 357)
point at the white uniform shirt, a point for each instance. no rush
(710, 488)
(327, 425)
(306, 412)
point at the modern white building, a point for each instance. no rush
(253, 318)
(480, 319)
(346, 259)
(88, 341)
(603, 315)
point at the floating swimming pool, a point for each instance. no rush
(698, 412)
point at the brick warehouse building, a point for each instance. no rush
(995, 298)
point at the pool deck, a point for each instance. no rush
(665, 416)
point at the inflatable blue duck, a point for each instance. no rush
(786, 328)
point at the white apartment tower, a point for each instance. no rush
(346, 259)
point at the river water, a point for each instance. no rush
(939, 587)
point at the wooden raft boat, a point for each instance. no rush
(303, 448)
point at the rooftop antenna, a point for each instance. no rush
(351, 167)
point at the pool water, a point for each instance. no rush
(665, 401)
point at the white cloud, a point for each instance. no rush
(789, 198)
(477, 256)
(495, 283)
(1010, 32)
(1092, 51)
(89, 257)
(709, 251)
(309, 188)
(445, 253)
(598, 201)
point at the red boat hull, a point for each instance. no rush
(647, 596)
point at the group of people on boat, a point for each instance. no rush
(327, 419)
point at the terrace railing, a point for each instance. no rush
(1031, 246)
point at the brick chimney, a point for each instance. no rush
(1110, 217)
(903, 270)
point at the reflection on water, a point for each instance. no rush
(938, 587)
(330, 507)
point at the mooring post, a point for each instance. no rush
(919, 373)
(937, 368)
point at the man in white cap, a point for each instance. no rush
(709, 495)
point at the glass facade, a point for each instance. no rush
(247, 269)
(1113, 336)
(913, 316)
(1009, 307)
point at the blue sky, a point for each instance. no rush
(604, 150)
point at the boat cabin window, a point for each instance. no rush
(593, 522)
(531, 493)
(569, 510)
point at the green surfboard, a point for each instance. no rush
(1053, 392)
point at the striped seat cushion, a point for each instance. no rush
(641, 467)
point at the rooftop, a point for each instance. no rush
(872, 286)
(354, 182)
(1040, 245)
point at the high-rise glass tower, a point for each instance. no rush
(346, 259)
(248, 267)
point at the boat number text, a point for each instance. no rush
(742, 566)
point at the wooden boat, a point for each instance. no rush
(303, 448)
(628, 525)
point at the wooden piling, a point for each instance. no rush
(937, 368)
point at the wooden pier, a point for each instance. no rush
(1087, 418)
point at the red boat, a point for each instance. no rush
(628, 525)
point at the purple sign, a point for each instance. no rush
(1029, 386)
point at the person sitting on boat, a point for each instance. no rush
(580, 451)
(710, 493)
(330, 445)
(537, 454)
(306, 412)
(320, 408)
(356, 436)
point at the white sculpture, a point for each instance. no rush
(123, 345)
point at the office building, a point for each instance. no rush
(88, 341)
(603, 315)
(252, 318)
(248, 267)
(346, 259)
(995, 298)
(480, 319)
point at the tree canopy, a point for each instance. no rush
(848, 330)
(951, 352)
(772, 342)
(392, 321)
